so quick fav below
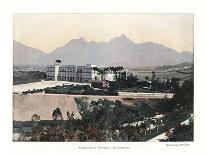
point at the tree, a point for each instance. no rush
(83, 106)
(147, 78)
(100, 71)
(35, 126)
(35, 117)
(116, 70)
(183, 97)
(70, 116)
(57, 115)
(174, 84)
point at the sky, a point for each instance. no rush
(50, 31)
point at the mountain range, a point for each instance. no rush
(117, 51)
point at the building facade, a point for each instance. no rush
(50, 73)
(72, 73)
(86, 73)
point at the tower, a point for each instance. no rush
(57, 65)
(153, 76)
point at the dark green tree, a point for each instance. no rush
(57, 115)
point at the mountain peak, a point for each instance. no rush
(78, 41)
(121, 38)
(81, 39)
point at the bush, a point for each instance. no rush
(71, 89)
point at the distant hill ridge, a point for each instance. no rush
(181, 65)
(117, 51)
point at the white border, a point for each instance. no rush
(7, 8)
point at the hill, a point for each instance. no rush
(117, 51)
(25, 55)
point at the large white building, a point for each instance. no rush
(72, 73)
(84, 73)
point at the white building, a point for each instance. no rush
(78, 74)
(84, 73)
(71, 73)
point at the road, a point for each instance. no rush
(42, 84)
(147, 95)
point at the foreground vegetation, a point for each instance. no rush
(105, 120)
(181, 133)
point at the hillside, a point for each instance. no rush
(117, 51)
(181, 66)
(25, 55)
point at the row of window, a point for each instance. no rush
(72, 75)
(71, 71)
(85, 75)
(61, 69)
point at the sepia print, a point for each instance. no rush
(103, 77)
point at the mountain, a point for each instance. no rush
(117, 51)
(181, 66)
(24, 55)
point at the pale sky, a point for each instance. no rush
(50, 31)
